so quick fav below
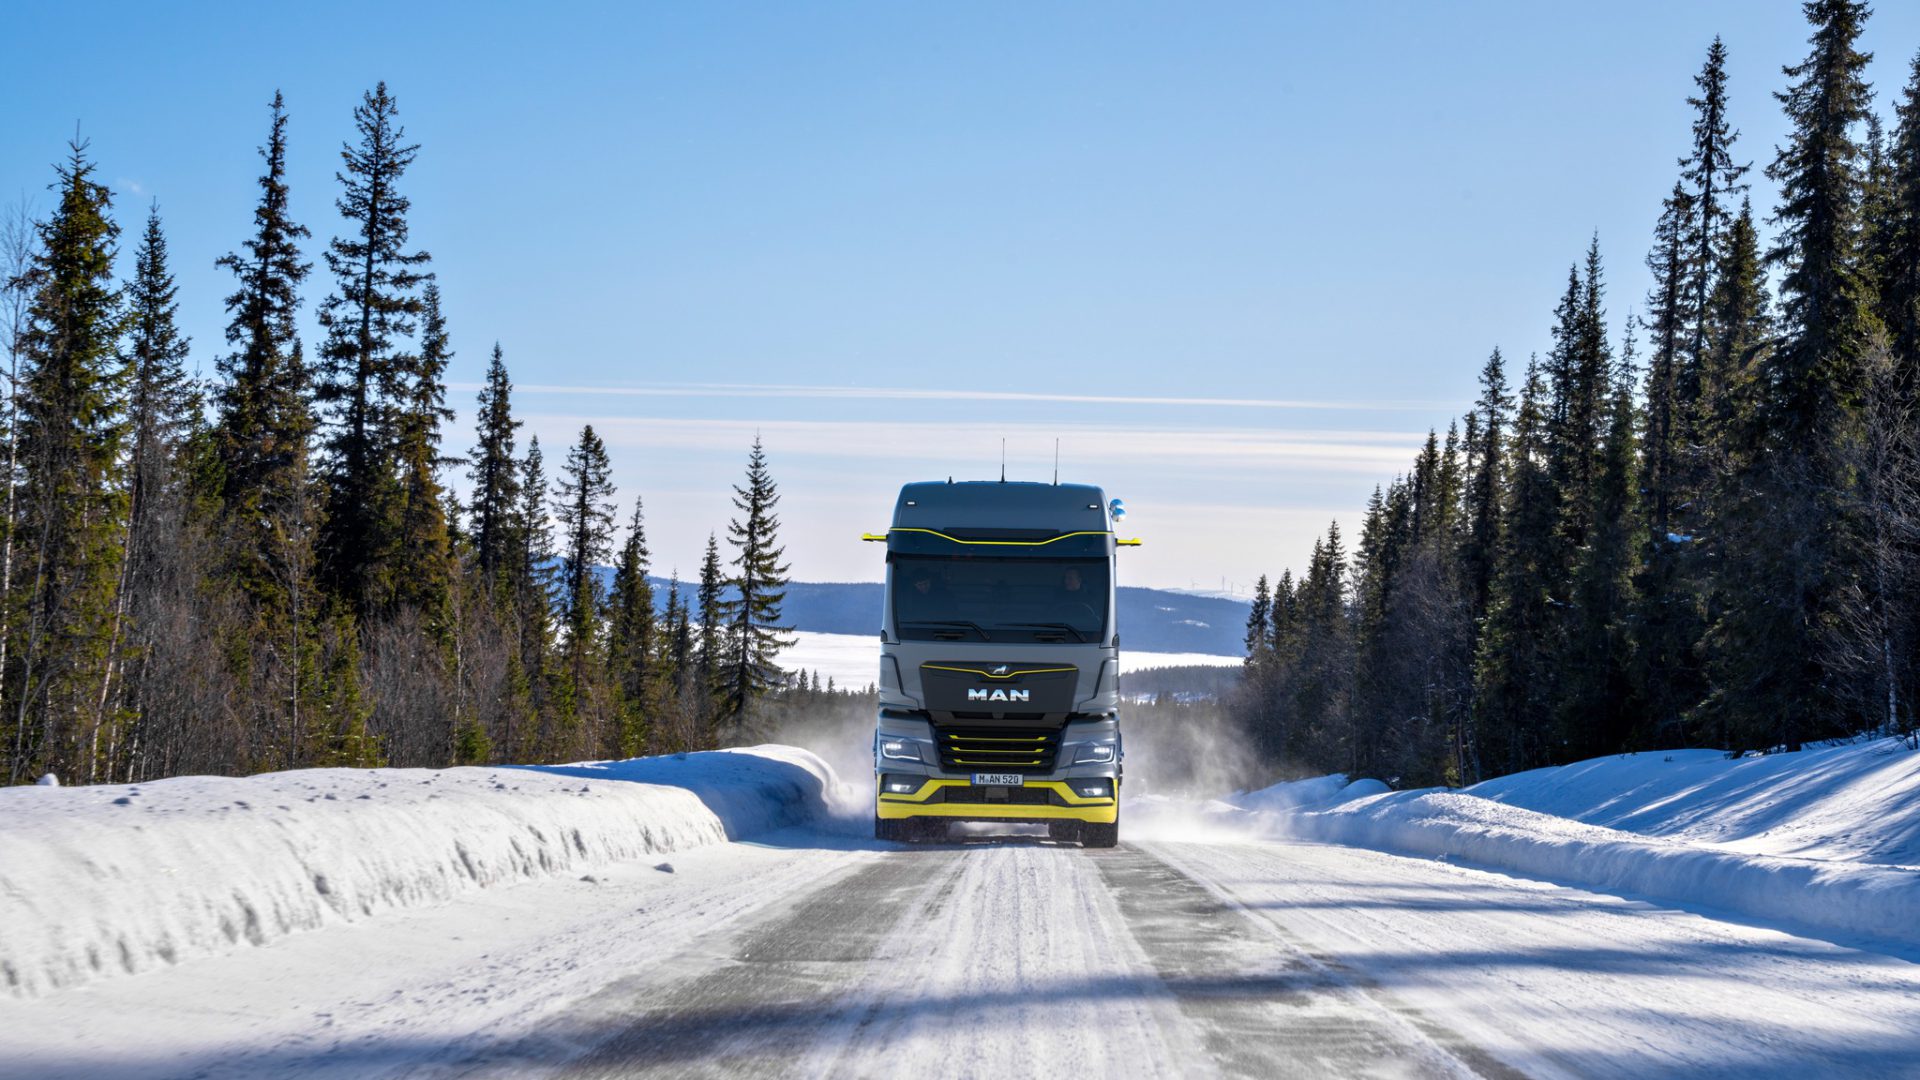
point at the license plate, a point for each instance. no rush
(998, 779)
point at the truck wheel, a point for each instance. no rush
(928, 831)
(1067, 832)
(888, 830)
(1102, 836)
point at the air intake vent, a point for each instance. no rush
(998, 749)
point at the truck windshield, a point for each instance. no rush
(984, 598)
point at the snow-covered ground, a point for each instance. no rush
(1822, 840)
(117, 880)
(853, 660)
(1859, 801)
(1673, 915)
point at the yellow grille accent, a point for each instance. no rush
(990, 675)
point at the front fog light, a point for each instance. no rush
(899, 750)
(1093, 789)
(901, 785)
(1094, 753)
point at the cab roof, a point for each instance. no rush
(968, 506)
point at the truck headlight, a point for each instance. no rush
(899, 750)
(1093, 789)
(1094, 753)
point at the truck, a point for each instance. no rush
(999, 686)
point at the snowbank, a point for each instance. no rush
(1854, 799)
(98, 881)
(1858, 802)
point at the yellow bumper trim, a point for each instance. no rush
(892, 807)
(1099, 815)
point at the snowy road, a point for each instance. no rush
(816, 954)
(1006, 960)
(813, 953)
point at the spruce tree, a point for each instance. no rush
(1668, 326)
(630, 635)
(267, 510)
(423, 554)
(1597, 707)
(1485, 480)
(1893, 425)
(1675, 576)
(675, 651)
(1516, 680)
(1380, 695)
(710, 652)
(1714, 179)
(531, 584)
(1577, 372)
(1773, 650)
(583, 506)
(1814, 376)
(1898, 240)
(754, 634)
(1742, 327)
(163, 402)
(264, 422)
(72, 429)
(495, 473)
(1277, 737)
(163, 412)
(676, 646)
(1257, 616)
(363, 373)
(1668, 623)
(1321, 692)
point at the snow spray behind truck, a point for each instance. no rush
(999, 661)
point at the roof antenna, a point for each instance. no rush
(1056, 461)
(1003, 459)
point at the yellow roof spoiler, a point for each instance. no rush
(873, 538)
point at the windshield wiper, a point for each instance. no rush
(973, 626)
(1068, 627)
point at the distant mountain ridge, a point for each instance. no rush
(1151, 620)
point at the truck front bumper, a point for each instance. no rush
(1033, 801)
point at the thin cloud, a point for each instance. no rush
(949, 442)
(882, 393)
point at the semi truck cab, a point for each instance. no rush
(999, 661)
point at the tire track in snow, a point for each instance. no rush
(1268, 1006)
(1005, 959)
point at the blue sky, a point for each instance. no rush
(1237, 257)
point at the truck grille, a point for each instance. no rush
(998, 749)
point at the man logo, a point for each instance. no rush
(1001, 670)
(997, 694)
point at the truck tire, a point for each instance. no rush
(1100, 836)
(888, 830)
(1067, 832)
